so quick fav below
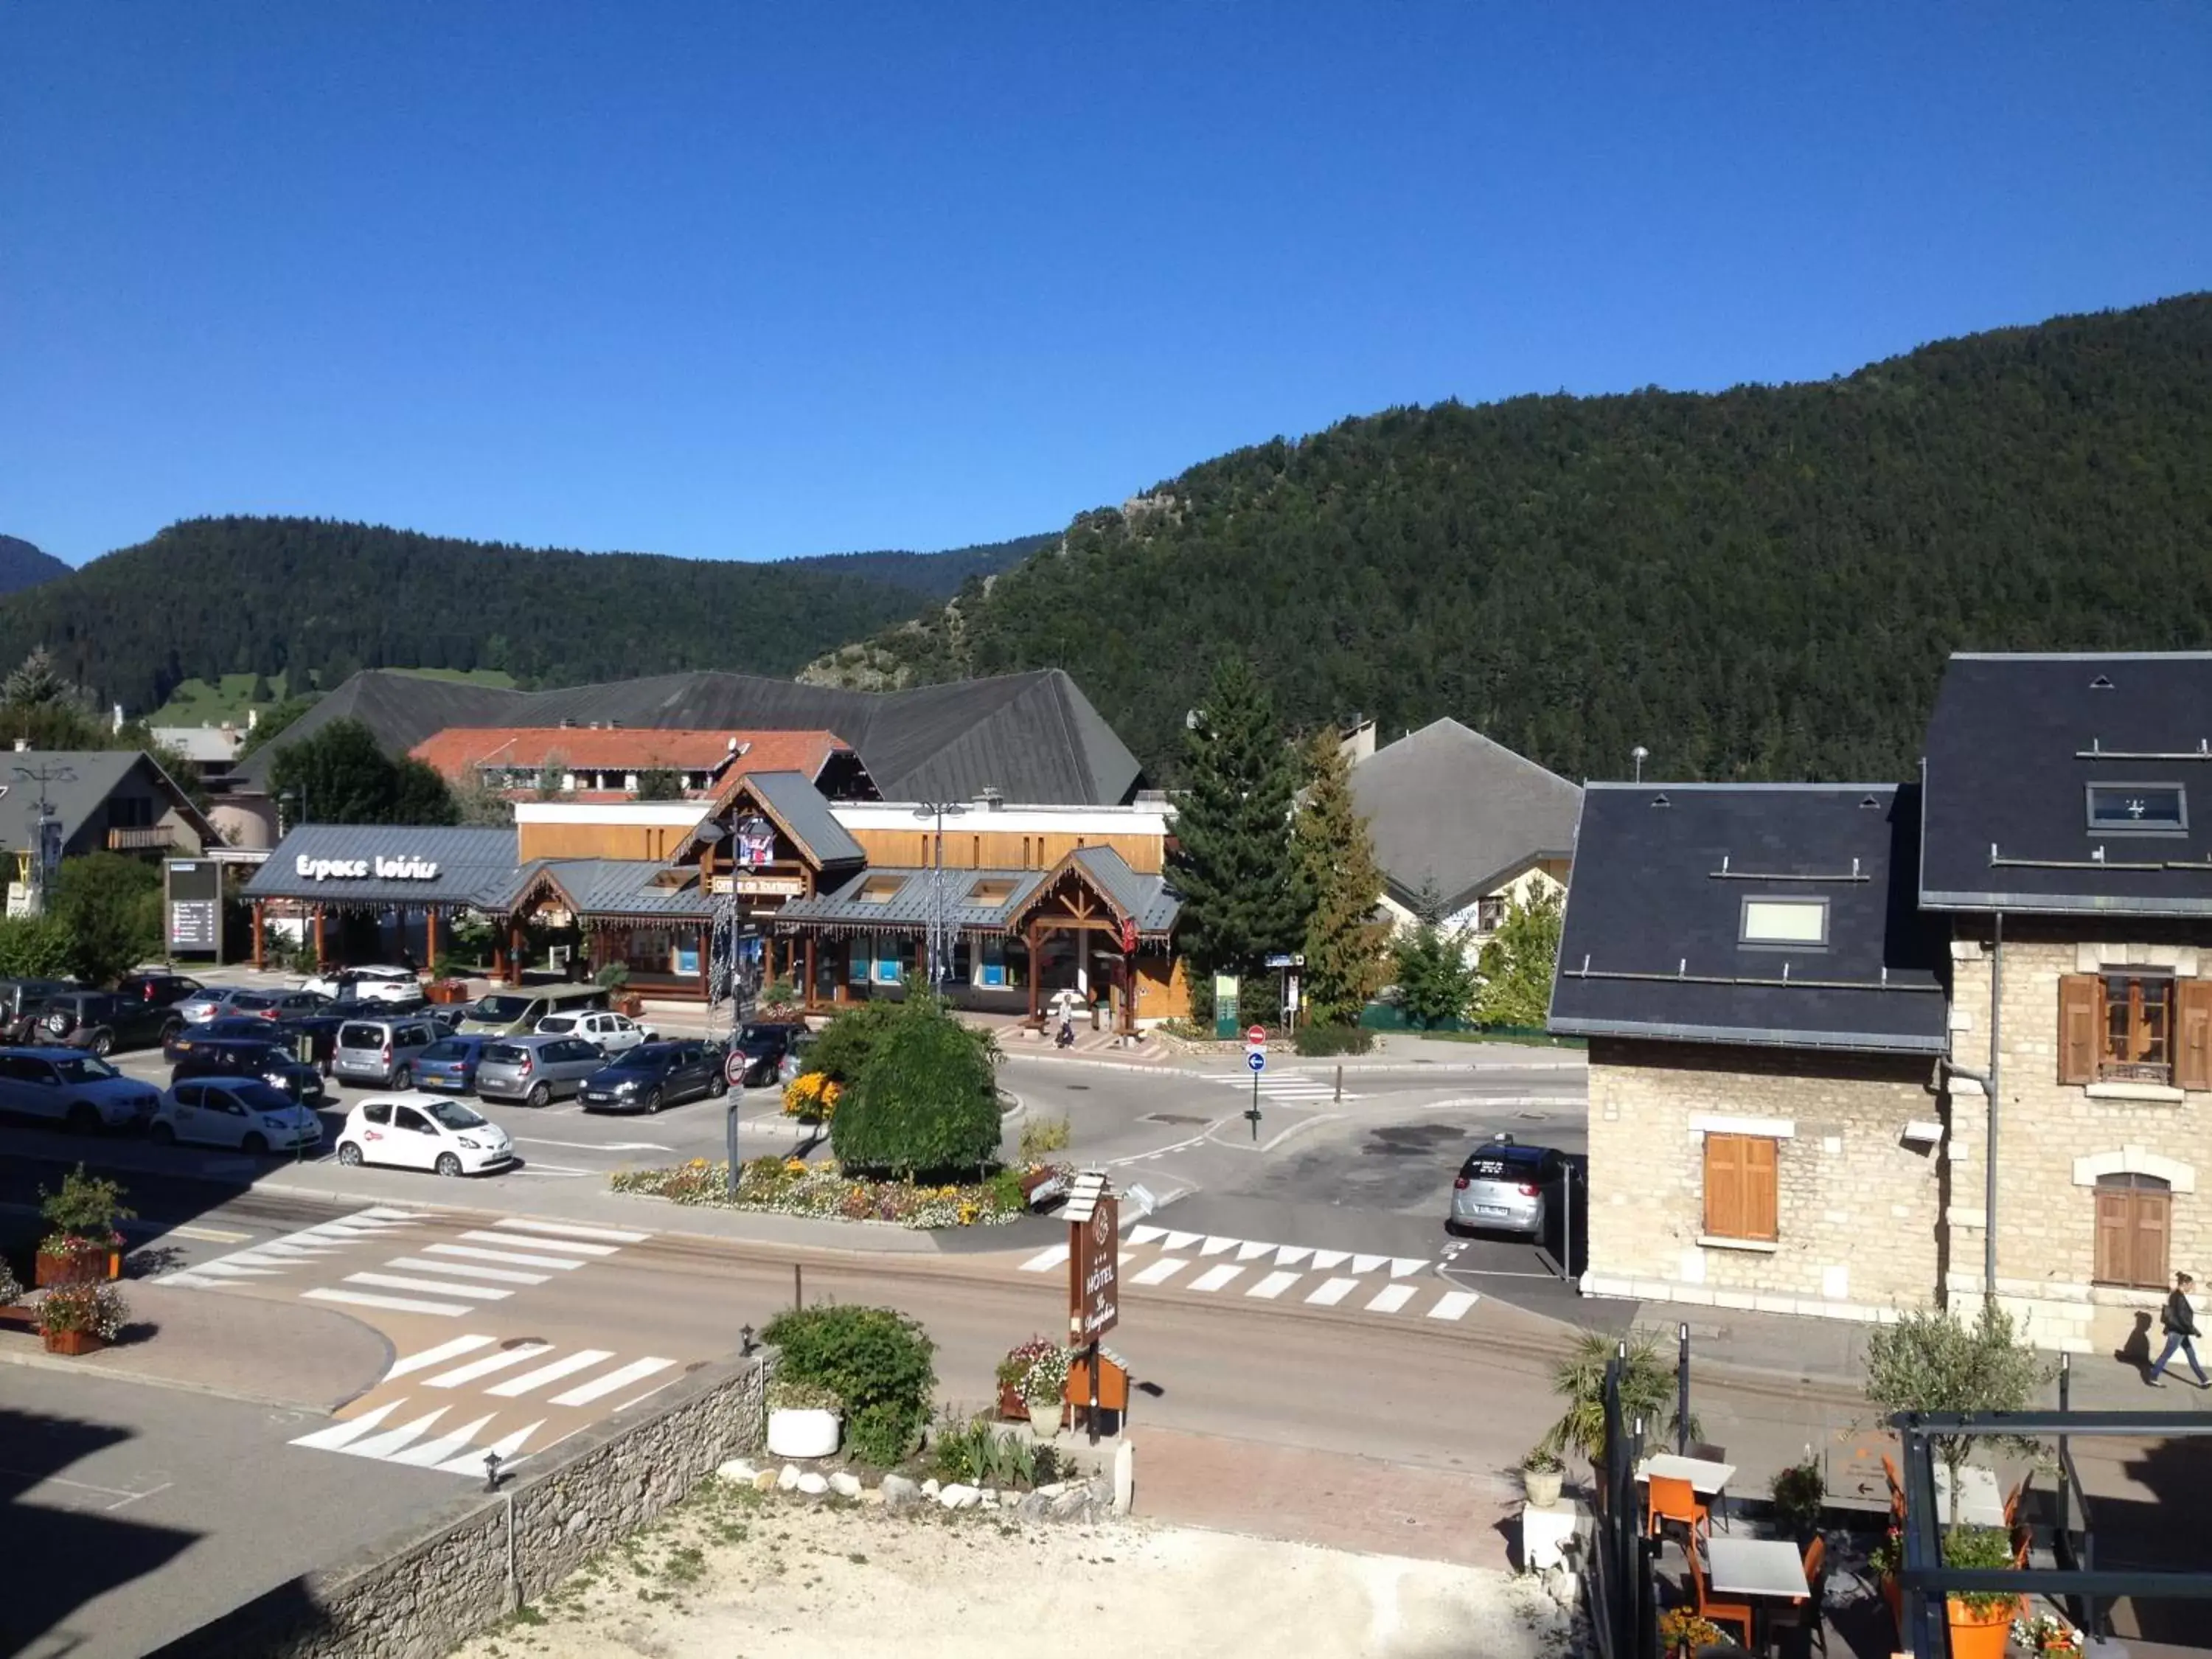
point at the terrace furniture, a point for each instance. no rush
(1675, 1499)
(1738, 1614)
(1766, 1571)
(1807, 1613)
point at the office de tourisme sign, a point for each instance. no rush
(379, 869)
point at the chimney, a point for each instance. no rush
(1358, 744)
(992, 800)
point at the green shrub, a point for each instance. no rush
(35, 947)
(876, 1360)
(926, 1102)
(1042, 1136)
(1325, 1040)
(845, 1046)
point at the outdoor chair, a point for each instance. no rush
(2013, 1501)
(2023, 1543)
(1808, 1610)
(1677, 1500)
(1719, 1506)
(1718, 1613)
(1896, 1489)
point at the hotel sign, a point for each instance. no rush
(377, 869)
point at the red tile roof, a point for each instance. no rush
(456, 750)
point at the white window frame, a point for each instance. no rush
(1746, 938)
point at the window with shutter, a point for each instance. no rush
(1740, 1187)
(2077, 1027)
(2134, 1218)
(2192, 1055)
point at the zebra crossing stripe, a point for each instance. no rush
(599, 1387)
(508, 1446)
(1324, 1260)
(439, 1355)
(566, 1230)
(1390, 1298)
(1333, 1292)
(339, 1436)
(1272, 1285)
(490, 1364)
(394, 1282)
(398, 1439)
(431, 1453)
(1214, 1246)
(1214, 1278)
(1252, 1252)
(513, 1258)
(1175, 1242)
(415, 1264)
(1145, 1234)
(1452, 1303)
(1045, 1260)
(582, 1360)
(1292, 1255)
(396, 1303)
(566, 1246)
(1163, 1270)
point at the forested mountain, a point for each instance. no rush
(22, 565)
(1759, 583)
(238, 595)
(931, 575)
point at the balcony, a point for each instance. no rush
(151, 837)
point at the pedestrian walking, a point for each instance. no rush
(2179, 1320)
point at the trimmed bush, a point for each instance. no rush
(926, 1102)
(876, 1360)
(1320, 1040)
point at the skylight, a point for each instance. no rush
(1784, 921)
(2138, 808)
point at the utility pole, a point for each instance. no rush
(937, 949)
(45, 846)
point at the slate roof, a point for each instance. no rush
(476, 866)
(2013, 745)
(794, 801)
(1448, 807)
(1146, 897)
(1032, 737)
(617, 887)
(1650, 944)
(96, 774)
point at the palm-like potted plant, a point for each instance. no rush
(80, 1319)
(1541, 1474)
(803, 1419)
(83, 1247)
(1647, 1391)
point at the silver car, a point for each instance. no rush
(1507, 1187)
(536, 1069)
(381, 1053)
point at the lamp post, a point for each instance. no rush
(939, 948)
(725, 937)
(291, 797)
(1640, 754)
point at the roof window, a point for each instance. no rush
(881, 890)
(992, 889)
(2147, 809)
(1784, 921)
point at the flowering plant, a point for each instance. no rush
(1887, 1559)
(788, 1394)
(1679, 1627)
(11, 1288)
(812, 1097)
(98, 1308)
(1046, 1382)
(823, 1189)
(2046, 1633)
(1014, 1369)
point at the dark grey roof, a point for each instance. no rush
(617, 887)
(1032, 737)
(1651, 942)
(476, 866)
(1146, 897)
(804, 812)
(1449, 808)
(2013, 745)
(95, 774)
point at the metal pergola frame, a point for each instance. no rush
(1926, 1582)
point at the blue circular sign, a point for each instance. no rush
(1256, 1061)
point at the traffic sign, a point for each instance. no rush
(1257, 1061)
(1257, 1037)
(734, 1068)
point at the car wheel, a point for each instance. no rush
(650, 1036)
(539, 1095)
(172, 1029)
(717, 1087)
(349, 1155)
(102, 1043)
(162, 1135)
(403, 1078)
(58, 1023)
(84, 1120)
(655, 1101)
(449, 1165)
(254, 1145)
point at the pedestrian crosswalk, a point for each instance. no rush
(306, 1247)
(1285, 1088)
(448, 1279)
(1288, 1274)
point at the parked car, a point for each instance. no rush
(273, 1063)
(98, 1020)
(322, 1027)
(163, 989)
(516, 1013)
(765, 1045)
(656, 1074)
(235, 1111)
(19, 997)
(381, 1052)
(793, 1062)
(372, 984)
(1504, 1187)
(536, 1069)
(223, 1001)
(449, 1065)
(67, 1086)
(422, 1132)
(610, 1033)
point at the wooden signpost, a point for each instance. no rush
(1094, 1251)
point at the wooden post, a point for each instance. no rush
(514, 950)
(806, 991)
(258, 926)
(1030, 941)
(322, 956)
(430, 942)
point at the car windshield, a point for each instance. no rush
(502, 1008)
(263, 1098)
(505, 1054)
(453, 1115)
(451, 1049)
(85, 1068)
(557, 1025)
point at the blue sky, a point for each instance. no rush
(724, 279)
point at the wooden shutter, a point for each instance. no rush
(2153, 1213)
(2192, 1033)
(2077, 1027)
(1760, 1198)
(2115, 1236)
(1741, 1189)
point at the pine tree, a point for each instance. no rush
(1344, 944)
(1517, 965)
(34, 683)
(1231, 863)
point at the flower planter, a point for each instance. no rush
(73, 1343)
(78, 1268)
(629, 1003)
(1893, 1595)
(802, 1433)
(1013, 1409)
(1542, 1486)
(446, 991)
(1046, 1420)
(1979, 1635)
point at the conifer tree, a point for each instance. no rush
(1517, 965)
(1345, 943)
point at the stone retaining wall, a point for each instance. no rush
(419, 1594)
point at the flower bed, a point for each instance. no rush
(811, 1097)
(822, 1190)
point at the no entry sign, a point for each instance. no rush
(1257, 1037)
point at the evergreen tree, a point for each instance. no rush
(1435, 984)
(348, 779)
(1231, 862)
(33, 684)
(659, 783)
(259, 691)
(1344, 944)
(1517, 965)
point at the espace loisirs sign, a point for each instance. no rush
(406, 869)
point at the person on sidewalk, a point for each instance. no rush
(2179, 1320)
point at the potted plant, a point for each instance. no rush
(1044, 1392)
(1541, 1473)
(1885, 1560)
(1798, 1492)
(1980, 1621)
(2047, 1633)
(803, 1420)
(1013, 1373)
(12, 1310)
(79, 1319)
(1681, 1633)
(1647, 1391)
(84, 1246)
(1935, 1362)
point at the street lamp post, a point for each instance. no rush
(1640, 754)
(725, 938)
(291, 796)
(938, 949)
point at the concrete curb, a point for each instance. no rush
(1406, 1068)
(46, 1362)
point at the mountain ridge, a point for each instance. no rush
(24, 564)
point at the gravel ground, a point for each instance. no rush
(734, 1575)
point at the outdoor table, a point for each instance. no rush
(1709, 1481)
(1764, 1570)
(1980, 1503)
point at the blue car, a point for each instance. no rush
(448, 1067)
(69, 1086)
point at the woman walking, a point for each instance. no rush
(2179, 1320)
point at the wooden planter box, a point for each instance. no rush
(76, 1344)
(24, 1316)
(1113, 1385)
(1011, 1407)
(446, 991)
(629, 1003)
(78, 1267)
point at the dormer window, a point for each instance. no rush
(2140, 809)
(1784, 921)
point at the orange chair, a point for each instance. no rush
(1896, 1488)
(1720, 1613)
(1677, 1500)
(2023, 1540)
(2013, 1503)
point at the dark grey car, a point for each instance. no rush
(536, 1069)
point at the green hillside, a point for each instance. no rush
(203, 703)
(1759, 583)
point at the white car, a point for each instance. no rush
(235, 1111)
(423, 1132)
(610, 1033)
(369, 984)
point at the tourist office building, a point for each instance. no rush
(835, 897)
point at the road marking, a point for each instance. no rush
(398, 1439)
(583, 1360)
(1045, 1260)
(397, 1303)
(210, 1235)
(554, 1171)
(463, 1270)
(1250, 1251)
(1214, 1278)
(513, 1257)
(596, 1146)
(1292, 1255)
(395, 1282)
(431, 1453)
(229, 1269)
(565, 1230)
(1215, 1246)
(1367, 1264)
(1163, 1270)
(599, 1387)
(1272, 1285)
(489, 1364)
(1400, 1265)
(1452, 1303)
(1179, 1241)
(567, 1246)
(1324, 1260)
(380, 1214)
(1390, 1298)
(472, 1463)
(1333, 1292)
(439, 1355)
(1146, 1235)
(339, 1436)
